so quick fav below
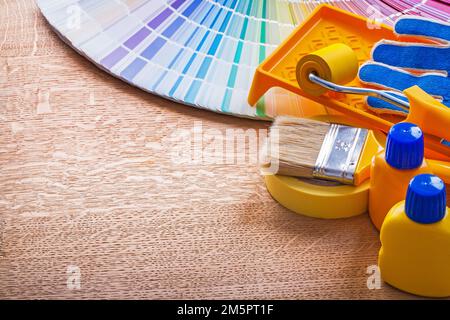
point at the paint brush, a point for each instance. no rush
(307, 148)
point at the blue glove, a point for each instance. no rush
(393, 62)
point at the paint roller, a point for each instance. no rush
(336, 63)
(331, 67)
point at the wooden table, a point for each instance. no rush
(88, 185)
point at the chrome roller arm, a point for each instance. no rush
(384, 95)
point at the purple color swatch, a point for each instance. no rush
(110, 60)
(177, 3)
(137, 38)
(133, 69)
(160, 18)
(153, 48)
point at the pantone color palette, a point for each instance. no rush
(202, 53)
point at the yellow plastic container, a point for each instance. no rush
(393, 168)
(415, 253)
(389, 182)
(388, 186)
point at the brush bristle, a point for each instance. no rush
(299, 143)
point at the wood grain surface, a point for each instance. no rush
(87, 180)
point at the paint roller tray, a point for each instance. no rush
(326, 26)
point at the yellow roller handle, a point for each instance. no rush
(429, 114)
(441, 169)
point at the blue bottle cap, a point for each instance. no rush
(405, 146)
(426, 199)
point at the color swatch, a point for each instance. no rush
(202, 53)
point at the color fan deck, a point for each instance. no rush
(202, 53)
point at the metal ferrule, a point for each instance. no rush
(339, 154)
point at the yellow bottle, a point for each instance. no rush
(393, 169)
(415, 239)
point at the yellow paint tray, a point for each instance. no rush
(326, 26)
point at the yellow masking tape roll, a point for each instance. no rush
(319, 199)
(336, 63)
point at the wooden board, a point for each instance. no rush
(87, 181)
